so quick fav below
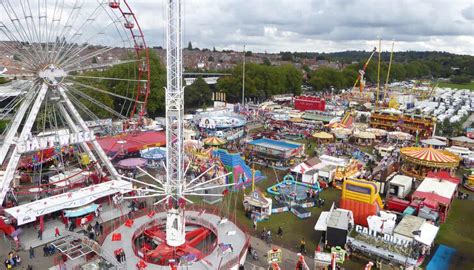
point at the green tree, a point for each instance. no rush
(190, 46)
(210, 58)
(261, 81)
(125, 88)
(286, 56)
(266, 61)
(197, 94)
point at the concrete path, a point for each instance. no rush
(289, 257)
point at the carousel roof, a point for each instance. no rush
(323, 135)
(214, 141)
(430, 155)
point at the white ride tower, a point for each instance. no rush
(175, 223)
(176, 187)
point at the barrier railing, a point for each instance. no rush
(110, 227)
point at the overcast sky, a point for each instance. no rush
(318, 25)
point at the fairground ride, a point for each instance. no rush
(62, 51)
(182, 234)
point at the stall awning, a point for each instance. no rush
(428, 234)
(323, 135)
(81, 211)
(322, 223)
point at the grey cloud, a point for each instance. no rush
(468, 13)
(274, 25)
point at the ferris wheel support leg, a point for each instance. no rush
(13, 129)
(97, 148)
(15, 157)
(75, 129)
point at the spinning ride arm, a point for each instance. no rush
(360, 77)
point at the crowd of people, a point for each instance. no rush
(13, 260)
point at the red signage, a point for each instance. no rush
(308, 103)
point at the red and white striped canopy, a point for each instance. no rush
(429, 154)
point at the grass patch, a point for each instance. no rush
(469, 86)
(458, 233)
(293, 227)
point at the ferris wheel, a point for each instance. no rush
(74, 63)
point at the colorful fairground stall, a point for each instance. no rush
(276, 154)
(418, 161)
(435, 193)
(323, 137)
(364, 137)
(406, 246)
(257, 206)
(394, 120)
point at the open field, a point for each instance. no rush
(458, 233)
(457, 86)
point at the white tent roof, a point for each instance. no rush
(428, 233)
(401, 180)
(433, 141)
(322, 223)
(333, 160)
(442, 188)
(28, 212)
(300, 167)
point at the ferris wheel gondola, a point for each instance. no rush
(76, 61)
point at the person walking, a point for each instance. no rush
(45, 250)
(280, 232)
(40, 234)
(31, 252)
(302, 246)
(56, 232)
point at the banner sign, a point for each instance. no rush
(385, 237)
(46, 142)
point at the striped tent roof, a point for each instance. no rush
(429, 154)
(214, 141)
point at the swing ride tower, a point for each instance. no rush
(181, 235)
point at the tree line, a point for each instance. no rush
(265, 80)
(261, 81)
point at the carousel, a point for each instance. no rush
(214, 141)
(418, 161)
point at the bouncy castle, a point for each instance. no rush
(362, 198)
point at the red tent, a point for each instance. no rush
(132, 142)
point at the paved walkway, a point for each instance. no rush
(29, 235)
(288, 261)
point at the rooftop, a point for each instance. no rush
(408, 225)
